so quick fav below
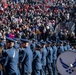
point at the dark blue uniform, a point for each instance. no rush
(37, 65)
(11, 66)
(65, 46)
(54, 58)
(44, 55)
(21, 55)
(49, 58)
(32, 46)
(11, 61)
(60, 48)
(26, 60)
(68, 47)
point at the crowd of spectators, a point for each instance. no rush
(39, 19)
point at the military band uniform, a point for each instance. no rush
(44, 54)
(60, 48)
(49, 60)
(54, 59)
(11, 66)
(26, 61)
(37, 63)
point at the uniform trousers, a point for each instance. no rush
(54, 68)
(43, 70)
(37, 72)
(49, 68)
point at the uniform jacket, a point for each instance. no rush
(44, 54)
(49, 55)
(11, 64)
(54, 52)
(37, 60)
(27, 59)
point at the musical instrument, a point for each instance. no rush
(66, 63)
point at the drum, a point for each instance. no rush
(66, 63)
